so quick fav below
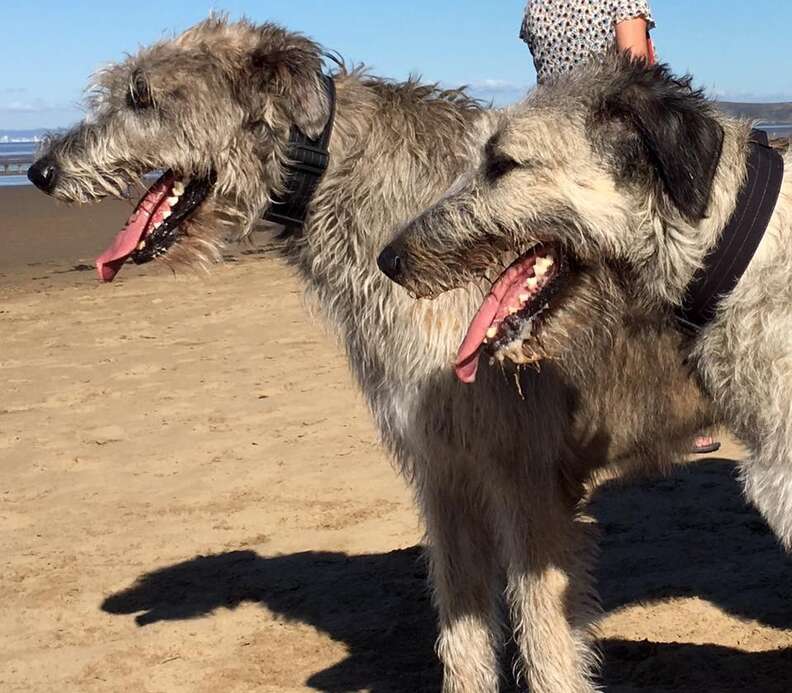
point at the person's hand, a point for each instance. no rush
(632, 36)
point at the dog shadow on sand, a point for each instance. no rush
(690, 535)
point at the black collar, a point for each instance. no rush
(308, 160)
(740, 238)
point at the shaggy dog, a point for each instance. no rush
(624, 170)
(497, 473)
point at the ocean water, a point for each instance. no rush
(29, 149)
(776, 129)
(11, 181)
(16, 149)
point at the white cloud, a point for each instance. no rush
(20, 113)
(31, 105)
(748, 96)
(502, 91)
(499, 91)
(498, 86)
(25, 107)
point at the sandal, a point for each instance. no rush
(704, 444)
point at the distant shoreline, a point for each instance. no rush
(773, 118)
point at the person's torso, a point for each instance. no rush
(564, 33)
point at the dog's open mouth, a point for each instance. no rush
(154, 225)
(513, 308)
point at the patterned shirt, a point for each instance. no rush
(564, 33)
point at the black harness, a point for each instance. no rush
(307, 162)
(740, 238)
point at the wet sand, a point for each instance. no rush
(193, 499)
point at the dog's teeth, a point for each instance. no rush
(178, 188)
(531, 283)
(165, 215)
(141, 245)
(513, 310)
(157, 225)
(491, 332)
(172, 200)
(542, 265)
(524, 298)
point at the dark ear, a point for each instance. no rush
(288, 66)
(677, 135)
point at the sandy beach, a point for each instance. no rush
(192, 498)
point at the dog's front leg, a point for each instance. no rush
(466, 581)
(766, 474)
(746, 361)
(548, 588)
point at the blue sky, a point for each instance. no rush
(736, 49)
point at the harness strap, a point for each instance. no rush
(740, 238)
(308, 161)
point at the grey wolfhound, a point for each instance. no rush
(497, 474)
(621, 173)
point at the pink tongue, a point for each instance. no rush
(110, 261)
(467, 360)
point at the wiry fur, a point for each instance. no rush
(498, 475)
(630, 168)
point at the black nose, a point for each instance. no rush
(390, 263)
(43, 174)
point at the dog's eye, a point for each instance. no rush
(139, 95)
(498, 166)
